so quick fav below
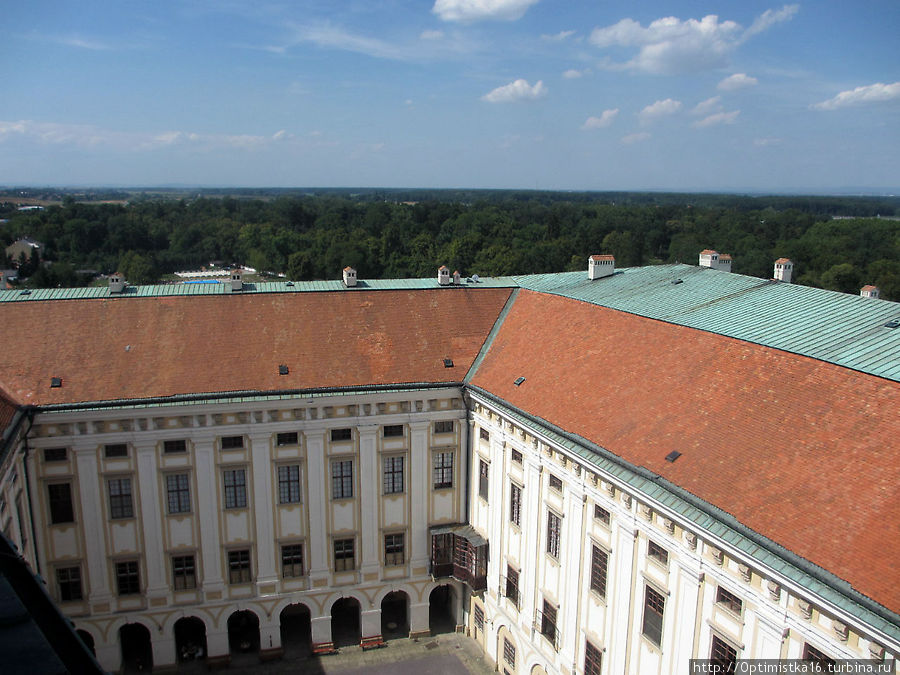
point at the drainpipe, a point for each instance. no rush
(29, 414)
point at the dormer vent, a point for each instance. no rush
(672, 456)
(784, 268)
(519, 381)
(448, 363)
(600, 266)
(116, 283)
(715, 260)
(237, 279)
(55, 382)
(443, 275)
(283, 370)
(349, 277)
(869, 291)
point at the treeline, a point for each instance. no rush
(384, 235)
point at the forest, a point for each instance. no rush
(839, 243)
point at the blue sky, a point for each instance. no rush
(548, 94)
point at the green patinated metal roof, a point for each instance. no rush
(840, 328)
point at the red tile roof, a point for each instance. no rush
(603, 257)
(123, 348)
(801, 451)
(708, 251)
(781, 261)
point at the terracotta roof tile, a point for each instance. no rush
(802, 451)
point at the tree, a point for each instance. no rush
(843, 277)
(137, 268)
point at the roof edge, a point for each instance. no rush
(489, 340)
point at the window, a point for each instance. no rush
(392, 430)
(128, 580)
(68, 580)
(442, 549)
(341, 435)
(61, 511)
(478, 615)
(178, 493)
(342, 479)
(593, 659)
(554, 526)
(657, 553)
(292, 560)
(511, 589)
(516, 456)
(120, 504)
(184, 577)
(509, 653)
(654, 605)
(443, 427)
(484, 434)
(239, 567)
(555, 483)
(56, 454)
(288, 438)
(235, 489)
(393, 475)
(548, 622)
(443, 470)
(515, 504)
(393, 549)
(817, 657)
(232, 442)
(599, 561)
(114, 450)
(601, 514)
(483, 475)
(344, 557)
(174, 447)
(723, 654)
(289, 484)
(729, 600)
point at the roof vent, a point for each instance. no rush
(600, 266)
(290, 283)
(715, 260)
(476, 278)
(443, 275)
(349, 277)
(457, 277)
(672, 456)
(283, 370)
(55, 382)
(25, 292)
(892, 324)
(869, 291)
(116, 283)
(519, 380)
(448, 363)
(237, 279)
(784, 268)
(677, 281)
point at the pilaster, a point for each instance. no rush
(263, 511)
(151, 520)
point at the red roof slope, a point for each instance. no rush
(801, 451)
(145, 347)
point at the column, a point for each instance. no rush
(90, 493)
(682, 608)
(621, 597)
(317, 507)
(208, 513)
(321, 631)
(369, 481)
(419, 619)
(571, 582)
(370, 623)
(151, 521)
(263, 512)
(533, 520)
(419, 489)
(496, 498)
(463, 453)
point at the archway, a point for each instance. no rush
(88, 641)
(137, 650)
(441, 614)
(395, 616)
(296, 631)
(243, 633)
(190, 639)
(345, 622)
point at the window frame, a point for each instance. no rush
(234, 491)
(342, 482)
(554, 482)
(120, 500)
(511, 585)
(729, 601)
(442, 469)
(484, 434)
(515, 504)
(603, 515)
(722, 652)
(346, 547)
(286, 438)
(392, 478)
(115, 450)
(657, 553)
(184, 572)
(69, 589)
(509, 652)
(593, 659)
(394, 549)
(182, 493)
(554, 534)
(56, 455)
(599, 570)
(291, 558)
(484, 478)
(61, 507)
(240, 567)
(393, 431)
(175, 446)
(440, 427)
(654, 606)
(549, 627)
(289, 487)
(231, 442)
(128, 577)
(338, 435)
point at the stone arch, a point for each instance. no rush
(243, 631)
(209, 622)
(395, 615)
(115, 626)
(189, 633)
(443, 608)
(346, 621)
(136, 645)
(295, 626)
(504, 635)
(537, 669)
(411, 592)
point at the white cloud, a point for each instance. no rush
(479, 10)
(872, 93)
(659, 109)
(771, 17)
(635, 138)
(558, 37)
(335, 37)
(432, 34)
(708, 106)
(516, 91)
(605, 119)
(572, 74)
(765, 142)
(718, 118)
(737, 81)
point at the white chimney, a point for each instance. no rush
(869, 291)
(783, 270)
(443, 276)
(725, 262)
(709, 258)
(116, 283)
(457, 277)
(349, 277)
(237, 279)
(600, 266)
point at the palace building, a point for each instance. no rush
(605, 472)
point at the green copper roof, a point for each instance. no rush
(840, 328)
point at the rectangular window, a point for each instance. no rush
(114, 450)
(723, 654)
(443, 427)
(478, 615)
(812, 654)
(483, 476)
(239, 567)
(341, 435)
(178, 493)
(393, 549)
(509, 653)
(729, 600)
(174, 447)
(654, 606)
(56, 454)
(442, 549)
(599, 561)
(484, 434)
(184, 577)
(287, 438)
(515, 504)
(393, 430)
(61, 510)
(511, 589)
(548, 622)
(657, 553)
(292, 560)
(555, 483)
(342, 479)
(443, 470)
(593, 659)
(516, 456)
(120, 504)
(393, 475)
(289, 484)
(554, 527)
(344, 556)
(235, 489)
(601, 514)
(68, 581)
(232, 442)
(128, 580)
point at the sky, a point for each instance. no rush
(530, 94)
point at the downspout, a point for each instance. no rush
(29, 414)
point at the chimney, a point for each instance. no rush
(709, 258)
(783, 270)
(349, 277)
(725, 262)
(443, 276)
(457, 277)
(869, 291)
(237, 280)
(116, 283)
(600, 266)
